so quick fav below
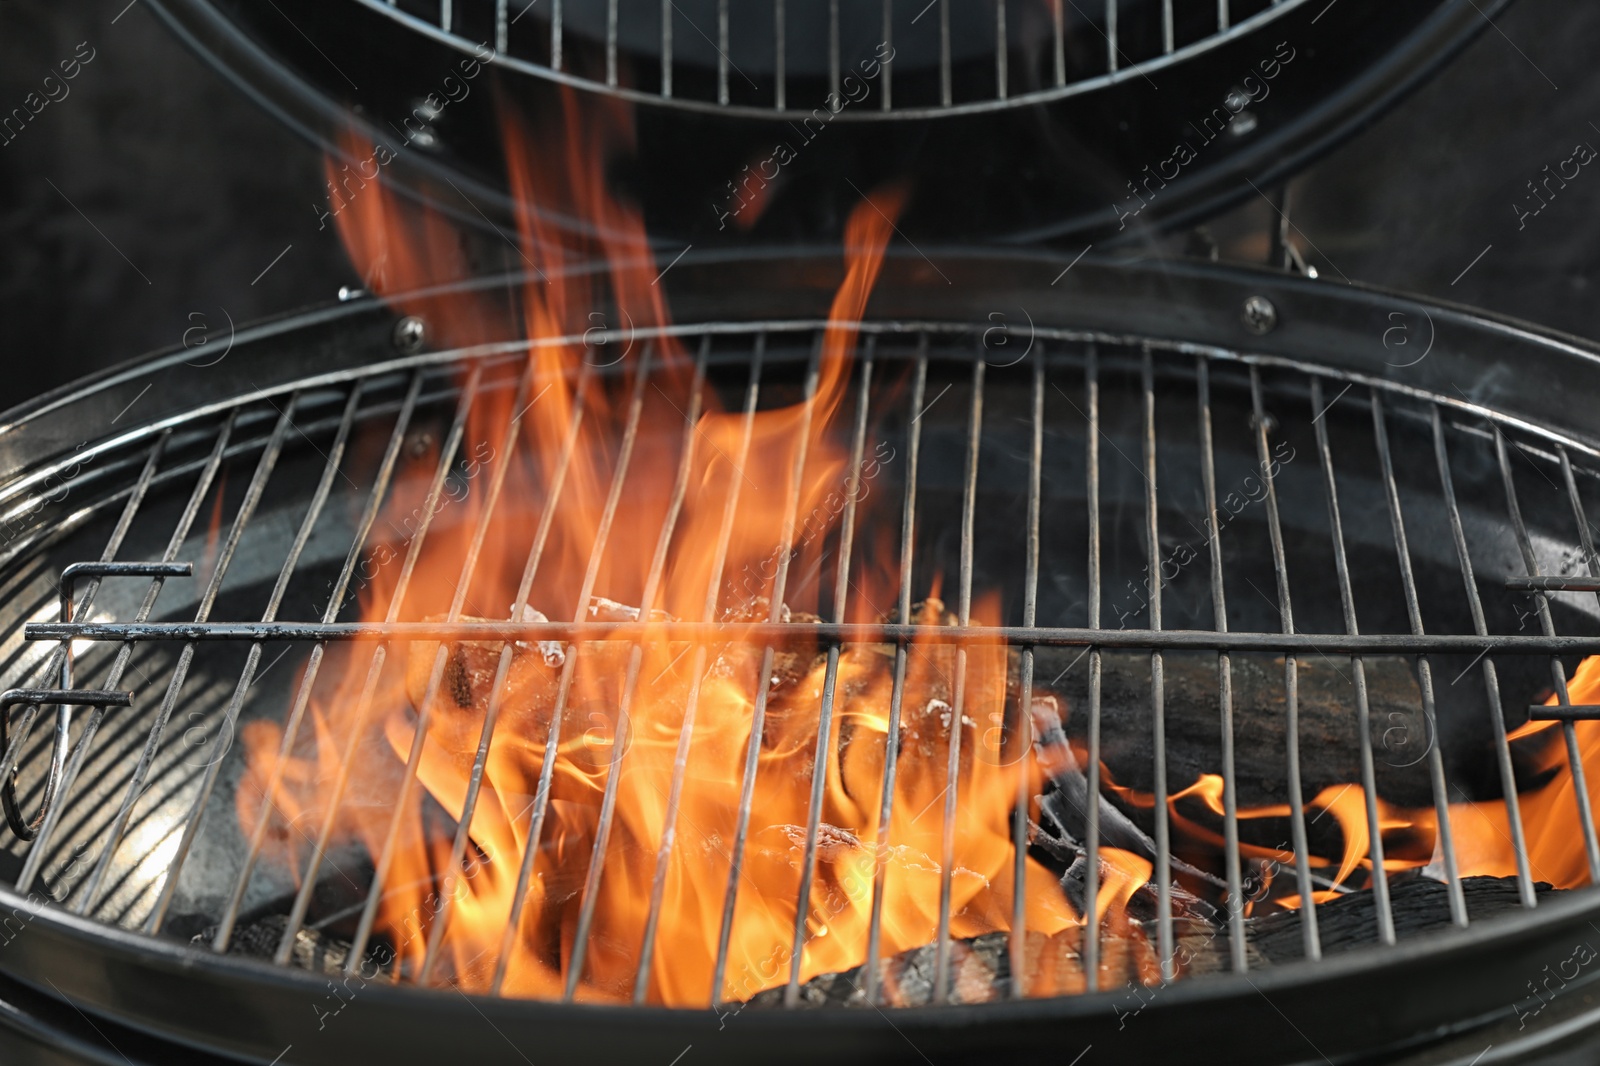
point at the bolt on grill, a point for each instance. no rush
(1082, 422)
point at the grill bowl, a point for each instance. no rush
(1178, 312)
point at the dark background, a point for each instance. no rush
(151, 199)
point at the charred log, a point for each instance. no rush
(1330, 744)
(980, 968)
(315, 951)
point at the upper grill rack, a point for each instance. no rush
(784, 59)
(1076, 395)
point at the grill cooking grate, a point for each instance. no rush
(123, 862)
(768, 59)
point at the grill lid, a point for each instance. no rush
(1022, 119)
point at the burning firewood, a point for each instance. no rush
(313, 950)
(980, 968)
(1330, 746)
(999, 753)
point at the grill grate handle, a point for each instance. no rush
(63, 698)
(66, 696)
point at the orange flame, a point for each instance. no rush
(564, 453)
(551, 458)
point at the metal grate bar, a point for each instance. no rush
(23, 827)
(75, 572)
(1111, 36)
(441, 656)
(247, 506)
(1024, 729)
(764, 676)
(541, 798)
(1057, 18)
(440, 924)
(1369, 782)
(780, 57)
(61, 656)
(952, 780)
(1408, 583)
(319, 851)
(36, 855)
(302, 699)
(60, 662)
(611, 47)
(886, 75)
(1219, 609)
(1572, 712)
(1000, 49)
(833, 46)
(1158, 694)
(247, 676)
(619, 744)
(1147, 56)
(1311, 939)
(1491, 682)
(1091, 832)
(680, 765)
(1558, 672)
(825, 733)
(848, 633)
(919, 385)
(944, 53)
(722, 51)
(1556, 584)
(666, 48)
(1585, 536)
(555, 34)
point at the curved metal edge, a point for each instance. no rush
(1269, 160)
(174, 992)
(1191, 302)
(311, 116)
(1273, 160)
(1259, 20)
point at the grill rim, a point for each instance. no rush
(1278, 9)
(81, 952)
(1169, 298)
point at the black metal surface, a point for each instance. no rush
(1081, 166)
(1389, 999)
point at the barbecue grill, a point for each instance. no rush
(1179, 644)
(1054, 452)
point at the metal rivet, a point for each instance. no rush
(1268, 420)
(349, 292)
(1259, 316)
(409, 334)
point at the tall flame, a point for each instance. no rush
(772, 470)
(551, 533)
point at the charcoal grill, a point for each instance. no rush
(1024, 119)
(1122, 399)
